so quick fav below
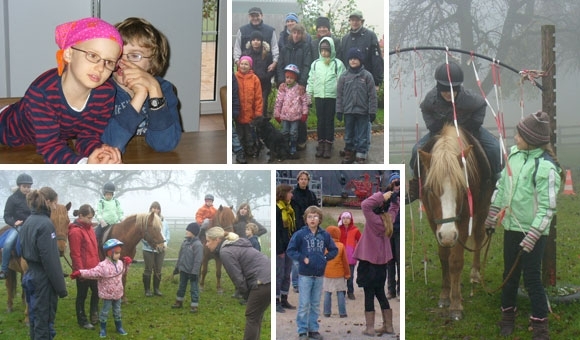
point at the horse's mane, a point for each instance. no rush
(60, 219)
(141, 220)
(445, 162)
(225, 218)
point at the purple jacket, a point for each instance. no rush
(373, 246)
(109, 276)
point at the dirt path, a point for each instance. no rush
(336, 328)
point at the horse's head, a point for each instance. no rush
(444, 188)
(152, 230)
(60, 219)
(225, 218)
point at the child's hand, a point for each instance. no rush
(306, 260)
(304, 118)
(105, 154)
(74, 275)
(134, 76)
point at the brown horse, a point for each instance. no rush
(445, 196)
(130, 231)
(225, 218)
(61, 221)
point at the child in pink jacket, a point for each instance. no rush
(109, 274)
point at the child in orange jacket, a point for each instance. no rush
(250, 93)
(335, 275)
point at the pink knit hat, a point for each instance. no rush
(343, 215)
(74, 32)
(249, 59)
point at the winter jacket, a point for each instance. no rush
(531, 199)
(298, 54)
(324, 74)
(285, 36)
(437, 111)
(16, 208)
(368, 43)
(235, 98)
(314, 246)
(338, 266)
(164, 232)
(204, 212)
(285, 225)
(356, 93)
(373, 246)
(262, 58)
(349, 236)
(240, 226)
(291, 102)
(255, 242)
(190, 256)
(246, 267)
(302, 199)
(250, 93)
(109, 211)
(245, 32)
(39, 248)
(109, 274)
(84, 248)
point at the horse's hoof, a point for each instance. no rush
(456, 315)
(444, 303)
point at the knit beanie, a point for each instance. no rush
(343, 215)
(75, 32)
(394, 176)
(322, 22)
(325, 45)
(535, 129)
(256, 35)
(249, 59)
(354, 53)
(292, 16)
(193, 228)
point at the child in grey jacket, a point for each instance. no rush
(188, 266)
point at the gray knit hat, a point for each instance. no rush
(535, 128)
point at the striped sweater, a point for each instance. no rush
(43, 118)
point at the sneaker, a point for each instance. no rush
(303, 336)
(2, 276)
(351, 296)
(87, 326)
(314, 335)
(193, 309)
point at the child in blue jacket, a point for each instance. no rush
(312, 247)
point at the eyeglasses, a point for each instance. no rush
(312, 217)
(396, 183)
(135, 57)
(94, 58)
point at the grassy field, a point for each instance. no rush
(219, 316)
(423, 320)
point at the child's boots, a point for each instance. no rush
(119, 326)
(103, 332)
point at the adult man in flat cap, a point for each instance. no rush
(268, 34)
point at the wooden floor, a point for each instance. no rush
(211, 122)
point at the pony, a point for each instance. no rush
(61, 220)
(225, 218)
(445, 197)
(130, 231)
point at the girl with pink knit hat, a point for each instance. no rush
(73, 101)
(349, 236)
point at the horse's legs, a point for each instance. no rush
(218, 274)
(10, 289)
(445, 284)
(456, 262)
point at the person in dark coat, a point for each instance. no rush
(286, 32)
(256, 23)
(188, 266)
(243, 217)
(249, 270)
(261, 54)
(44, 279)
(323, 29)
(285, 228)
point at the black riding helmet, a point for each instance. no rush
(443, 79)
(24, 179)
(109, 187)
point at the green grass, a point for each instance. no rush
(219, 316)
(423, 320)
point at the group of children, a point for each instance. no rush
(348, 93)
(106, 89)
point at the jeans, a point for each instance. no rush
(7, 248)
(236, 145)
(107, 304)
(290, 130)
(393, 265)
(488, 142)
(283, 268)
(356, 134)
(295, 274)
(184, 278)
(325, 110)
(328, 303)
(349, 285)
(309, 303)
(531, 265)
(258, 302)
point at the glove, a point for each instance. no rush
(339, 116)
(175, 271)
(304, 118)
(75, 274)
(529, 241)
(491, 220)
(372, 117)
(278, 119)
(127, 260)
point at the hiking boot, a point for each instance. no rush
(320, 149)
(351, 296)
(413, 190)
(303, 336)
(327, 150)
(284, 302)
(348, 157)
(540, 329)
(279, 308)
(314, 335)
(507, 323)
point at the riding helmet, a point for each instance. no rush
(292, 68)
(454, 71)
(209, 197)
(109, 187)
(112, 243)
(24, 179)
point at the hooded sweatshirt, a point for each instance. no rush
(338, 266)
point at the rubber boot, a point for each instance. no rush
(327, 152)
(320, 149)
(119, 326)
(293, 154)
(507, 323)
(103, 332)
(540, 329)
(147, 285)
(370, 324)
(177, 304)
(156, 283)
(284, 302)
(387, 323)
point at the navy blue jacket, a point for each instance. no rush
(305, 244)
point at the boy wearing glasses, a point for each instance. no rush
(73, 101)
(312, 247)
(145, 104)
